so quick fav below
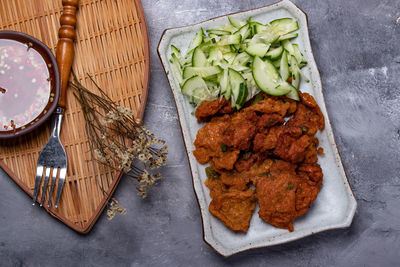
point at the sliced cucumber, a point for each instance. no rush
(197, 40)
(284, 67)
(275, 53)
(241, 59)
(215, 54)
(230, 57)
(267, 77)
(225, 86)
(237, 23)
(287, 45)
(293, 94)
(230, 39)
(257, 49)
(199, 58)
(201, 71)
(177, 52)
(284, 26)
(287, 36)
(295, 70)
(298, 55)
(244, 31)
(218, 32)
(192, 84)
(176, 68)
(238, 87)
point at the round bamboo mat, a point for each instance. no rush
(112, 46)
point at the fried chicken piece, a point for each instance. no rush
(216, 186)
(263, 142)
(235, 180)
(245, 162)
(209, 145)
(270, 105)
(276, 196)
(312, 172)
(308, 115)
(234, 209)
(209, 108)
(225, 160)
(241, 130)
(291, 145)
(310, 182)
(269, 120)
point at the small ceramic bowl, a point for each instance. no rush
(29, 84)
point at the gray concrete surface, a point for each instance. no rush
(357, 48)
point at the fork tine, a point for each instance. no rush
(46, 181)
(63, 173)
(53, 181)
(39, 175)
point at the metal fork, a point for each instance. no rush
(52, 159)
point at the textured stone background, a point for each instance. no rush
(357, 48)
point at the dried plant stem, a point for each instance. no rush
(116, 140)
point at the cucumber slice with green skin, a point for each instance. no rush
(230, 57)
(295, 70)
(238, 87)
(201, 71)
(275, 53)
(237, 23)
(177, 52)
(205, 46)
(197, 40)
(224, 48)
(228, 27)
(298, 55)
(241, 59)
(199, 58)
(230, 39)
(235, 67)
(284, 26)
(284, 67)
(287, 36)
(287, 45)
(259, 28)
(276, 63)
(199, 95)
(176, 68)
(218, 32)
(244, 31)
(192, 84)
(215, 54)
(267, 77)
(224, 82)
(293, 94)
(257, 49)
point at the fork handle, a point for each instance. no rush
(65, 47)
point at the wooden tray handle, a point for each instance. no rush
(65, 47)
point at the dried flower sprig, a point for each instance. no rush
(117, 140)
(114, 208)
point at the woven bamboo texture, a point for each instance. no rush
(111, 46)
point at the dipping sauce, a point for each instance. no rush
(25, 85)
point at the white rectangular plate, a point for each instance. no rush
(335, 205)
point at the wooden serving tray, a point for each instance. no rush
(112, 46)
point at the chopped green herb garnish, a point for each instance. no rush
(224, 147)
(304, 129)
(289, 186)
(211, 173)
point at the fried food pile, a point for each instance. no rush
(269, 145)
